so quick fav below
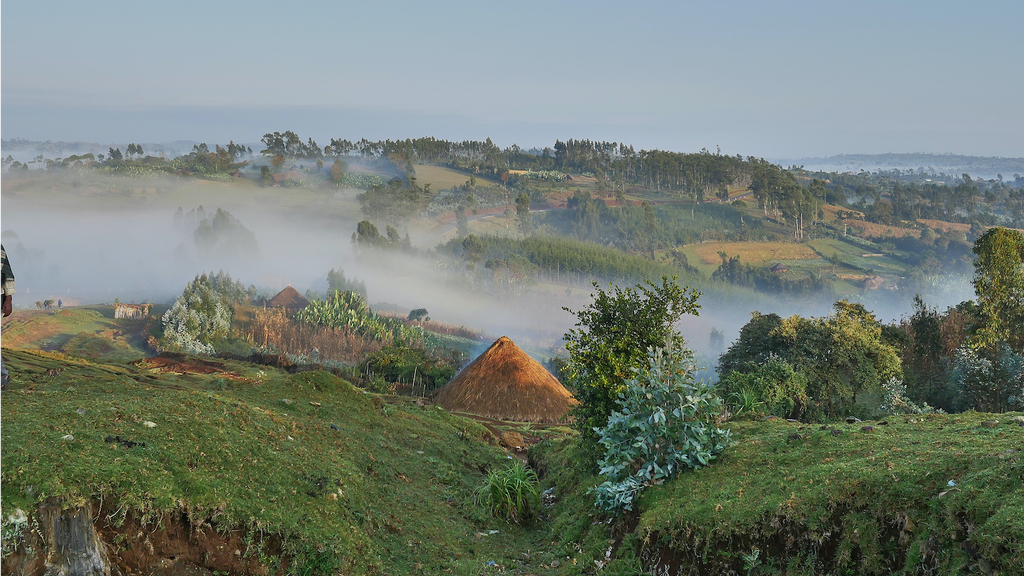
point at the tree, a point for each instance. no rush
(999, 285)
(338, 282)
(473, 248)
(393, 202)
(841, 355)
(611, 340)
(716, 340)
(367, 234)
(418, 314)
(337, 170)
(523, 218)
(225, 234)
(461, 221)
(202, 313)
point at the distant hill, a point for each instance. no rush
(953, 164)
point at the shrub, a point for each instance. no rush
(512, 494)
(776, 385)
(610, 339)
(666, 423)
(399, 362)
(746, 401)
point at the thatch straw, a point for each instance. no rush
(506, 384)
(289, 299)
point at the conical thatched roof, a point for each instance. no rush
(289, 299)
(506, 384)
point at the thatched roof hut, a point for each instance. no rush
(289, 299)
(506, 384)
(874, 282)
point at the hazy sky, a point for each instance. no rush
(776, 79)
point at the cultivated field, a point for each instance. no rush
(872, 230)
(945, 226)
(857, 256)
(752, 252)
(832, 212)
(441, 178)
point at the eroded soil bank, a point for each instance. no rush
(94, 540)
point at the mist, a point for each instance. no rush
(88, 239)
(63, 245)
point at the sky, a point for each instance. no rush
(773, 79)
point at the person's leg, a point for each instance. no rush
(4, 376)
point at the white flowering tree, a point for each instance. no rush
(198, 316)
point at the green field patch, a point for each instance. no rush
(940, 494)
(874, 500)
(864, 257)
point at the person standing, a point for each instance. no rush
(7, 281)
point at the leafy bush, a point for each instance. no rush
(667, 423)
(399, 362)
(840, 356)
(610, 340)
(13, 529)
(359, 180)
(512, 493)
(776, 385)
(746, 401)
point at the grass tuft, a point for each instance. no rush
(512, 493)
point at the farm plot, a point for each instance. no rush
(945, 226)
(441, 178)
(872, 230)
(752, 252)
(857, 256)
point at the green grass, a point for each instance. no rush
(854, 255)
(511, 494)
(396, 488)
(860, 502)
(391, 491)
(86, 331)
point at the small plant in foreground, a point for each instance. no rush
(746, 401)
(13, 529)
(512, 494)
(666, 423)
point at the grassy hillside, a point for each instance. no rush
(316, 475)
(940, 494)
(89, 331)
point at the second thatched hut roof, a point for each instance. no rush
(506, 384)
